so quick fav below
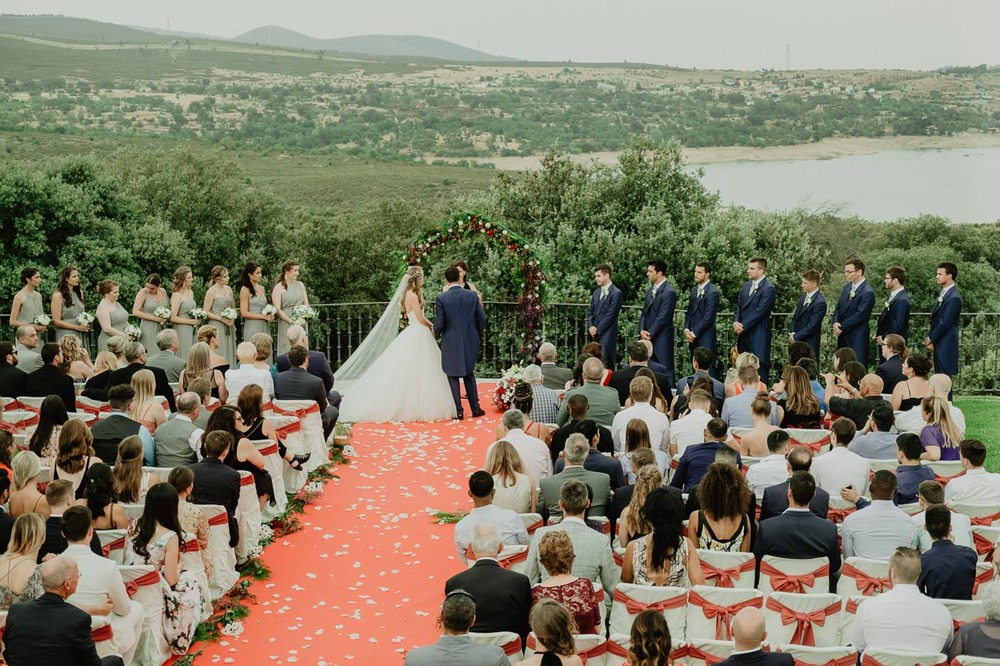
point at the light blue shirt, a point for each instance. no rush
(877, 530)
(875, 445)
(736, 410)
(148, 448)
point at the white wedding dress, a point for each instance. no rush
(404, 383)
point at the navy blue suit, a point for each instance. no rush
(695, 461)
(947, 571)
(895, 318)
(944, 332)
(604, 317)
(758, 658)
(807, 320)
(658, 319)
(854, 315)
(700, 317)
(754, 312)
(798, 535)
(459, 320)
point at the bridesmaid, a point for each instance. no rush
(219, 297)
(181, 303)
(150, 297)
(252, 302)
(110, 314)
(28, 302)
(288, 293)
(67, 304)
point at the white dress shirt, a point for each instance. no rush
(839, 468)
(902, 619)
(510, 525)
(770, 471)
(534, 453)
(245, 375)
(689, 429)
(655, 420)
(961, 530)
(877, 530)
(976, 486)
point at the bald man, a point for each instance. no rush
(859, 406)
(749, 635)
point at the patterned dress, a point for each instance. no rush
(185, 332)
(707, 539)
(119, 318)
(32, 590)
(70, 312)
(150, 329)
(227, 336)
(183, 604)
(578, 596)
(677, 564)
(294, 294)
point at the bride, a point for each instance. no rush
(394, 377)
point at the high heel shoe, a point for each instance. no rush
(298, 461)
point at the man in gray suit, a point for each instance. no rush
(167, 359)
(603, 400)
(598, 483)
(593, 558)
(455, 648)
(297, 384)
(553, 376)
(28, 358)
(178, 439)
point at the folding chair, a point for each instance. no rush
(982, 515)
(840, 509)
(781, 574)
(95, 407)
(804, 619)
(143, 584)
(816, 440)
(861, 576)
(247, 516)
(984, 574)
(589, 647)
(877, 657)
(630, 600)
(945, 470)
(224, 574)
(619, 644)
(963, 612)
(707, 651)
(133, 511)
(274, 466)
(113, 544)
(877, 465)
(842, 655)
(289, 431)
(731, 570)
(507, 641)
(190, 559)
(985, 540)
(307, 412)
(710, 610)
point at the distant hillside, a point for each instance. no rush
(69, 29)
(383, 45)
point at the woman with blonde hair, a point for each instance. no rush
(733, 386)
(181, 303)
(288, 292)
(941, 436)
(145, 408)
(631, 524)
(116, 345)
(75, 361)
(218, 297)
(130, 481)
(76, 455)
(210, 336)
(265, 347)
(555, 553)
(25, 497)
(514, 488)
(20, 571)
(754, 442)
(199, 365)
(800, 407)
(650, 644)
(553, 626)
(96, 387)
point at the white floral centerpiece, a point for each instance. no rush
(504, 393)
(42, 320)
(85, 319)
(303, 313)
(132, 331)
(269, 310)
(197, 313)
(231, 314)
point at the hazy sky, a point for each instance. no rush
(735, 34)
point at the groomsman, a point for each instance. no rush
(853, 313)
(602, 315)
(657, 321)
(752, 317)
(703, 305)
(807, 321)
(943, 338)
(895, 316)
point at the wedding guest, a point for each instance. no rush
(940, 437)
(146, 409)
(75, 361)
(203, 389)
(135, 356)
(855, 404)
(841, 357)
(248, 374)
(50, 380)
(632, 524)
(297, 384)
(577, 406)
(318, 366)
(131, 482)
(287, 293)
(102, 500)
(554, 377)
(981, 638)
(894, 352)
(11, 376)
(733, 385)
(253, 298)
(514, 489)
(96, 387)
(28, 358)
(660, 401)
(976, 486)
(942, 340)
(596, 349)
(663, 557)
(117, 425)
(702, 364)
(76, 455)
(210, 336)
(800, 408)
(166, 358)
(553, 626)
(641, 392)
(940, 387)
(116, 345)
(110, 314)
(26, 498)
(555, 552)
(242, 456)
(602, 315)
(690, 428)
(147, 301)
(199, 366)
(947, 571)
(637, 437)
(458, 614)
(52, 415)
(545, 401)
(250, 404)
(192, 520)
(181, 303)
(218, 297)
(723, 496)
(20, 572)
(507, 523)
(895, 316)
(67, 305)
(265, 349)
(27, 305)
(908, 394)
(59, 496)
(650, 644)
(603, 401)
(736, 410)
(875, 440)
(754, 442)
(178, 440)
(215, 482)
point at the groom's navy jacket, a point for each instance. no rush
(459, 320)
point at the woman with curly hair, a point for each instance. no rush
(663, 557)
(101, 499)
(724, 496)
(650, 644)
(631, 524)
(553, 627)
(75, 456)
(555, 552)
(52, 415)
(514, 488)
(75, 361)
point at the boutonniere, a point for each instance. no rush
(808, 302)
(887, 305)
(851, 296)
(940, 300)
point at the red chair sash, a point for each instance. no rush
(598, 650)
(986, 521)
(982, 579)
(812, 446)
(219, 519)
(511, 648)
(105, 633)
(726, 577)
(96, 410)
(852, 606)
(8, 427)
(958, 623)
(269, 450)
(868, 585)
(849, 660)
(723, 615)
(535, 525)
(697, 653)
(191, 546)
(634, 606)
(298, 413)
(23, 423)
(24, 407)
(151, 578)
(286, 430)
(804, 620)
(983, 546)
(246, 480)
(117, 544)
(838, 515)
(620, 560)
(618, 650)
(943, 480)
(786, 582)
(508, 562)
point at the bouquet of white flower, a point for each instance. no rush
(132, 331)
(504, 393)
(303, 313)
(85, 319)
(42, 320)
(231, 314)
(269, 310)
(163, 312)
(197, 313)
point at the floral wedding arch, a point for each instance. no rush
(472, 225)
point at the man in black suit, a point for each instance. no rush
(806, 324)
(50, 380)
(638, 357)
(703, 307)
(503, 598)
(577, 406)
(11, 376)
(602, 315)
(48, 630)
(318, 366)
(596, 461)
(797, 533)
(947, 571)
(215, 482)
(59, 497)
(776, 497)
(749, 635)
(135, 356)
(297, 384)
(895, 314)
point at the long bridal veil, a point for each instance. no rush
(381, 336)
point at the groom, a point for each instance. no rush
(459, 321)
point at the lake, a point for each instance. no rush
(960, 184)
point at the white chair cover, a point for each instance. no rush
(965, 660)
(710, 610)
(113, 544)
(841, 508)
(162, 472)
(274, 466)
(864, 577)
(508, 641)
(985, 515)
(707, 651)
(816, 440)
(191, 560)
(629, 600)
(911, 509)
(290, 433)
(133, 511)
(674, 462)
(590, 647)
(511, 557)
(248, 517)
(799, 576)
(847, 614)
(602, 607)
(44, 474)
(963, 612)
(89, 419)
(103, 635)
(153, 647)
(877, 657)
(730, 570)
(944, 469)
(889, 465)
(841, 655)
(224, 574)
(804, 619)
(985, 539)
(750, 461)
(21, 441)
(532, 521)
(312, 429)
(984, 574)
(28, 401)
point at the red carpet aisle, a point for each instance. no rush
(362, 582)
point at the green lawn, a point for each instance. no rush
(981, 417)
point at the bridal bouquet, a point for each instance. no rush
(269, 310)
(42, 320)
(231, 314)
(504, 393)
(163, 312)
(197, 313)
(303, 313)
(132, 331)
(85, 319)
